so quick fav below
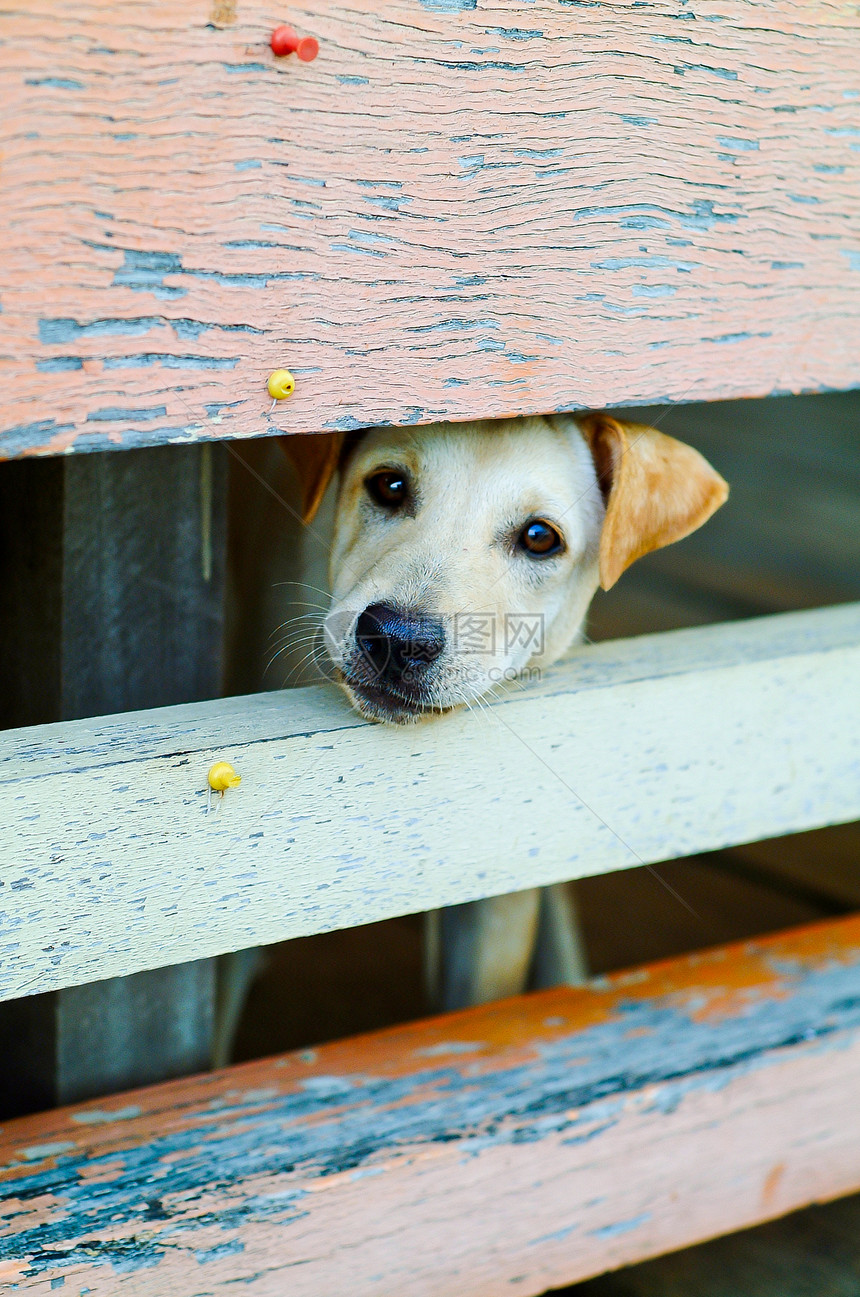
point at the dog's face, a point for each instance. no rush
(462, 555)
(467, 554)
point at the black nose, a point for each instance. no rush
(398, 644)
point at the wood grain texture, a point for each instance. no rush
(457, 210)
(811, 1253)
(503, 1149)
(629, 752)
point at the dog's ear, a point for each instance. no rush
(656, 489)
(315, 457)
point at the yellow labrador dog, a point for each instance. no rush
(467, 554)
(464, 555)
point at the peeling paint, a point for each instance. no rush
(55, 83)
(623, 263)
(622, 1226)
(168, 360)
(145, 271)
(449, 6)
(737, 145)
(748, 126)
(246, 67)
(39, 1152)
(66, 330)
(570, 1069)
(118, 413)
(653, 290)
(20, 438)
(102, 1116)
(59, 364)
(516, 33)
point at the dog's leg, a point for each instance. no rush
(560, 956)
(235, 975)
(482, 950)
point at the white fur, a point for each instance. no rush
(476, 485)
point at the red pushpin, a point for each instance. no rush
(286, 41)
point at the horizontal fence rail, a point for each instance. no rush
(458, 210)
(629, 752)
(510, 1148)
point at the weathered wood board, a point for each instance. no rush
(811, 1253)
(459, 209)
(509, 1148)
(630, 752)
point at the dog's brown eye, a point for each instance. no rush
(388, 488)
(540, 539)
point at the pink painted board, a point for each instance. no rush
(461, 208)
(506, 1149)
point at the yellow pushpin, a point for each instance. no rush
(281, 385)
(221, 777)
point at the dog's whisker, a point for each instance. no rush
(294, 644)
(299, 666)
(299, 616)
(286, 628)
(303, 585)
(481, 710)
(308, 603)
(300, 625)
(304, 642)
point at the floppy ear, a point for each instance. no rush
(315, 458)
(656, 489)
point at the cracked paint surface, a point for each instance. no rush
(456, 211)
(547, 1138)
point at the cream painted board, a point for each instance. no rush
(629, 752)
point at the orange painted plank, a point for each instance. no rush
(509, 1148)
(457, 210)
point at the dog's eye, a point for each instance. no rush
(389, 488)
(540, 539)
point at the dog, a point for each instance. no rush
(466, 555)
(448, 540)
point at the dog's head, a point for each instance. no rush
(465, 554)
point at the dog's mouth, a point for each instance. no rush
(383, 702)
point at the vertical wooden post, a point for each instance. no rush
(111, 599)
